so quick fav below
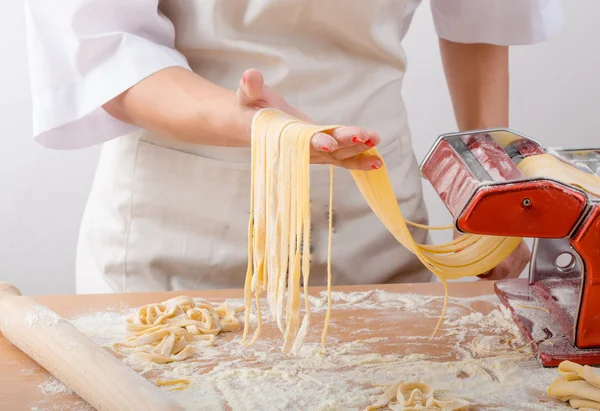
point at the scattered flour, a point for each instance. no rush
(375, 339)
(52, 386)
(31, 319)
(37, 313)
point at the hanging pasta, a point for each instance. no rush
(279, 227)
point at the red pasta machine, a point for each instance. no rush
(557, 308)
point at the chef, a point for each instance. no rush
(169, 89)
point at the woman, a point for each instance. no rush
(170, 87)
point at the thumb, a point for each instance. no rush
(251, 89)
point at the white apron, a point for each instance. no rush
(164, 215)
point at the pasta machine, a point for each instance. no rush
(476, 174)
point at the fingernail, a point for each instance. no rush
(326, 149)
(375, 166)
(369, 143)
(355, 140)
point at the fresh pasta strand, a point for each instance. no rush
(286, 243)
(429, 227)
(329, 246)
(280, 193)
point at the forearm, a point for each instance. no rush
(180, 104)
(478, 81)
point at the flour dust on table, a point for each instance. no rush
(478, 356)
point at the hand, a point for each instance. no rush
(341, 148)
(512, 266)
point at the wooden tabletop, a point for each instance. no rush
(21, 378)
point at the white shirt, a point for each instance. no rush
(83, 53)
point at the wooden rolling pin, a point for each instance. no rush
(86, 368)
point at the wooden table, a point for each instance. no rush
(389, 330)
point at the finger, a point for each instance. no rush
(373, 139)
(351, 136)
(520, 268)
(498, 273)
(366, 163)
(324, 143)
(251, 88)
(502, 272)
(347, 152)
(484, 276)
(362, 162)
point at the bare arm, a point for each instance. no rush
(477, 77)
(180, 104)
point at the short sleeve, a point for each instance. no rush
(82, 54)
(501, 22)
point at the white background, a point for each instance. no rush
(555, 95)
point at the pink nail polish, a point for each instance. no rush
(374, 167)
(326, 149)
(355, 140)
(369, 143)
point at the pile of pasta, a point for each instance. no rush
(279, 226)
(417, 396)
(164, 332)
(578, 385)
